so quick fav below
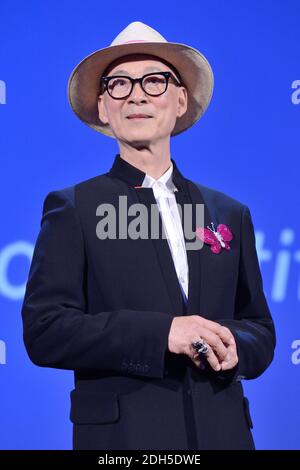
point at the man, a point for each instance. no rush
(159, 336)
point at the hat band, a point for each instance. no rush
(138, 40)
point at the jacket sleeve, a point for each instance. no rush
(252, 325)
(57, 330)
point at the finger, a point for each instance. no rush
(197, 361)
(230, 364)
(231, 359)
(196, 358)
(222, 331)
(213, 360)
(227, 335)
(215, 343)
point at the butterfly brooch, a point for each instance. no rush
(217, 239)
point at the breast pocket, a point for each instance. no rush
(94, 407)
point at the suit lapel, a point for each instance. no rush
(164, 256)
(198, 260)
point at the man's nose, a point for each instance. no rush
(137, 92)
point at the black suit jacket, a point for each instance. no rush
(104, 308)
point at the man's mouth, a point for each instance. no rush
(138, 116)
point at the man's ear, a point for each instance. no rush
(182, 101)
(101, 110)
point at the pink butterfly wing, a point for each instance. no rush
(225, 232)
(207, 236)
(216, 248)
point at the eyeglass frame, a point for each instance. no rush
(167, 75)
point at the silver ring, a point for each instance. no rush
(200, 346)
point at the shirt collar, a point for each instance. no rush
(134, 177)
(165, 179)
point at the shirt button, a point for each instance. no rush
(189, 391)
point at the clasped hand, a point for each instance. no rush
(222, 354)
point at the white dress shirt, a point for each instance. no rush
(163, 189)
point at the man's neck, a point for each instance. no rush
(154, 160)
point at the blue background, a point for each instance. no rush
(247, 145)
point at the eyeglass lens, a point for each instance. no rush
(120, 87)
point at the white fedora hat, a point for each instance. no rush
(194, 69)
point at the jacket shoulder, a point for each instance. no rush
(218, 198)
(69, 193)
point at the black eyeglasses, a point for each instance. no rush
(153, 84)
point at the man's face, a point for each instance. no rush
(163, 109)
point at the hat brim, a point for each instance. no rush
(195, 71)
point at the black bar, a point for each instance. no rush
(131, 459)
